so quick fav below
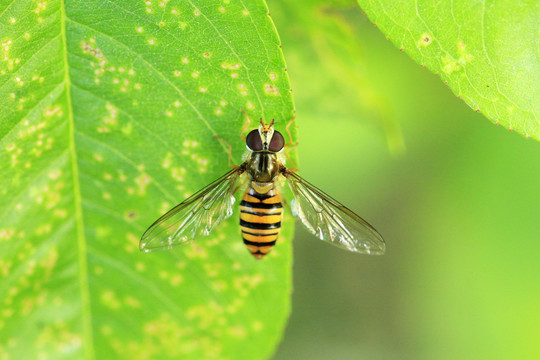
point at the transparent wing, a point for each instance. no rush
(331, 221)
(196, 216)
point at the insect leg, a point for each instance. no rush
(247, 122)
(241, 182)
(286, 153)
(281, 196)
(229, 151)
(289, 133)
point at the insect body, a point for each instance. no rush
(261, 208)
(260, 220)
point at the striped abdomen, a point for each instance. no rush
(260, 220)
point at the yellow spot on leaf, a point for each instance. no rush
(237, 332)
(97, 157)
(425, 40)
(257, 326)
(109, 299)
(142, 182)
(140, 266)
(176, 279)
(6, 234)
(271, 89)
(95, 52)
(132, 302)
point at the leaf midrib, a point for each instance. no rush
(88, 344)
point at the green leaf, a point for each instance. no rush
(486, 52)
(108, 115)
(318, 36)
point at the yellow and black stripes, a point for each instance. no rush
(260, 220)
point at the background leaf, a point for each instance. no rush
(458, 210)
(326, 45)
(487, 52)
(108, 116)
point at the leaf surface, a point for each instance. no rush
(487, 52)
(108, 117)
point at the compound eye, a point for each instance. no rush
(277, 142)
(253, 141)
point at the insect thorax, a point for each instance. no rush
(262, 167)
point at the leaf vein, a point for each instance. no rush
(86, 306)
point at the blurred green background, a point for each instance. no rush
(456, 198)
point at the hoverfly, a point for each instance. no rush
(261, 206)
